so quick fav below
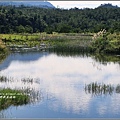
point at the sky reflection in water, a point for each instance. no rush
(61, 81)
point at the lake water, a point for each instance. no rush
(59, 85)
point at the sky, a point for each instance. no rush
(81, 4)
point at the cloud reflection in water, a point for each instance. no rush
(62, 81)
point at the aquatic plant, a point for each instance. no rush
(10, 97)
(101, 89)
(3, 78)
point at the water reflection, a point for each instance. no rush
(60, 80)
(101, 58)
(101, 89)
(105, 59)
(25, 57)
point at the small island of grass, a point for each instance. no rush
(10, 97)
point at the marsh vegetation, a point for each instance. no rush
(10, 97)
(97, 89)
(102, 42)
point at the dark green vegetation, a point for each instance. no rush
(60, 29)
(32, 19)
(2, 57)
(101, 89)
(10, 97)
(3, 48)
(3, 51)
(106, 58)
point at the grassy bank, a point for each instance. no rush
(101, 42)
(61, 41)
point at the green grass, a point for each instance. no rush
(104, 43)
(55, 40)
(10, 97)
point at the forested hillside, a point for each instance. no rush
(32, 19)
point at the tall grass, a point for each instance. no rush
(71, 41)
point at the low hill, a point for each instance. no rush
(40, 4)
(108, 6)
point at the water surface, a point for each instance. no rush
(58, 85)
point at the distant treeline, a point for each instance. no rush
(32, 19)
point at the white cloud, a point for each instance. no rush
(81, 4)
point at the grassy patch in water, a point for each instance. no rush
(10, 97)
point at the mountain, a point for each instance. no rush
(108, 6)
(40, 4)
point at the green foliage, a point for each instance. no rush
(106, 43)
(33, 19)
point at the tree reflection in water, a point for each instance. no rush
(101, 89)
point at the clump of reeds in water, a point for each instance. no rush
(3, 78)
(21, 96)
(10, 97)
(101, 89)
(118, 89)
(27, 80)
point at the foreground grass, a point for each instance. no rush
(10, 97)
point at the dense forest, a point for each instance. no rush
(33, 19)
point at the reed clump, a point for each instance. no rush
(101, 89)
(10, 97)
